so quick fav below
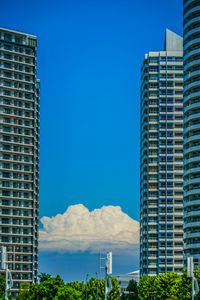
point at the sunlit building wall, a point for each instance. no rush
(161, 159)
(19, 153)
(191, 42)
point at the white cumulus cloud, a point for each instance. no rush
(78, 229)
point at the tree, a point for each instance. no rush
(182, 289)
(132, 287)
(43, 277)
(77, 286)
(2, 286)
(164, 285)
(114, 294)
(53, 284)
(69, 293)
(95, 286)
(46, 290)
(24, 291)
(146, 288)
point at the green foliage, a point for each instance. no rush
(43, 277)
(114, 294)
(95, 287)
(132, 287)
(23, 291)
(167, 286)
(2, 289)
(182, 288)
(2, 286)
(46, 290)
(53, 288)
(164, 285)
(68, 292)
(146, 288)
(77, 286)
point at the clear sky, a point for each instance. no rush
(89, 58)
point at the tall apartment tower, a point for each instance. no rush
(161, 159)
(19, 153)
(191, 48)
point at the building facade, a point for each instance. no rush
(19, 153)
(161, 159)
(191, 42)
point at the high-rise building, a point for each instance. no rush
(191, 48)
(19, 153)
(161, 159)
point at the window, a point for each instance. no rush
(18, 40)
(7, 47)
(7, 74)
(6, 92)
(5, 183)
(5, 221)
(7, 37)
(32, 42)
(7, 65)
(153, 68)
(4, 239)
(153, 59)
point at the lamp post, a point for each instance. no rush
(86, 296)
(4, 266)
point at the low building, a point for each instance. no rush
(125, 278)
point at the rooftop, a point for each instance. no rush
(173, 41)
(18, 32)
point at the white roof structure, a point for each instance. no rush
(173, 41)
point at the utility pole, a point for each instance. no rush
(108, 271)
(190, 273)
(192, 287)
(4, 266)
(106, 288)
(6, 282)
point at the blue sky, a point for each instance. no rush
(89, 59)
